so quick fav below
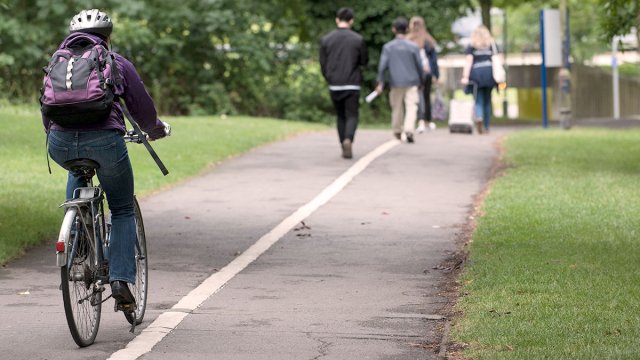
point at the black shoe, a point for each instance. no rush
(346, 149)
(397, 135)
(120, 291)
(410, 138)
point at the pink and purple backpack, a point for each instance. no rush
(78, 85)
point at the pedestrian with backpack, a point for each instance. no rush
(83, 119)
(342, 53)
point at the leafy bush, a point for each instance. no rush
(212, 56)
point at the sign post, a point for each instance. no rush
(616, 78)
(551, 50)
(564, 76)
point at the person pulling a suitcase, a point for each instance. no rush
(477, 76)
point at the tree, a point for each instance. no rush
(524, 29)
(373, 20)
(619, 16)
(486, 5)
(212, 56)
(485, 11)
(24, 45)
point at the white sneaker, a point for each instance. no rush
(421, 126)
(432, 126)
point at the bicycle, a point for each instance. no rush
(82, 255)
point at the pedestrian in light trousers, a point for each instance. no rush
(401, 58)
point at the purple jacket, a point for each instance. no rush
(135, 96)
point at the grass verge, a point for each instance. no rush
(29, 196)
(553, 266)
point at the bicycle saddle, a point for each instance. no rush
(81, 165)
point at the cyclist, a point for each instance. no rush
(103, 142)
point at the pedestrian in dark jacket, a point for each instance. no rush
(342, 53)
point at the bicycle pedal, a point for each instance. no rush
(127, 308)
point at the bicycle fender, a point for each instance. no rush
(63, 237)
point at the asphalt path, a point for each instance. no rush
(361, 278)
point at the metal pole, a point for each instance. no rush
(616, 78)
(543, 74)
(567, 38)
(565, 72)
(505, 100)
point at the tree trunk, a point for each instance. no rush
(638, 25)
(485, 10)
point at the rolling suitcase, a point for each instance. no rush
(461, 116)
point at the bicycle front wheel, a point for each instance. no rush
(81, 296)
(139, 289)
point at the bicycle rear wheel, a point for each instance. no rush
(82, 298)
(139, 289)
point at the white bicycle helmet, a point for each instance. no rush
(91, 21)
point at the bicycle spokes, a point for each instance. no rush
(81, 293)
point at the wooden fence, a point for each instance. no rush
(592, 94)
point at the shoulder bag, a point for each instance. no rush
(499, 75)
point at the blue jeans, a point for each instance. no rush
(107, 148)
(483, 105)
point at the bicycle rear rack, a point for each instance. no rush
(84, 197)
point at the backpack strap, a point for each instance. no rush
(46, 146)
(99, 64)
(115, 79)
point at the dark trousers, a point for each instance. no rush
(346, 104)
(424, 108)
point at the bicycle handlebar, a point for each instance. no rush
(132, 136)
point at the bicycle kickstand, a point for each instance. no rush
(133, 323)
(127, 309)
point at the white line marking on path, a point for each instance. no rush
(170, 319)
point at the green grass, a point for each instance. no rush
(627, 70)
(554, 267)
(29, 196)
